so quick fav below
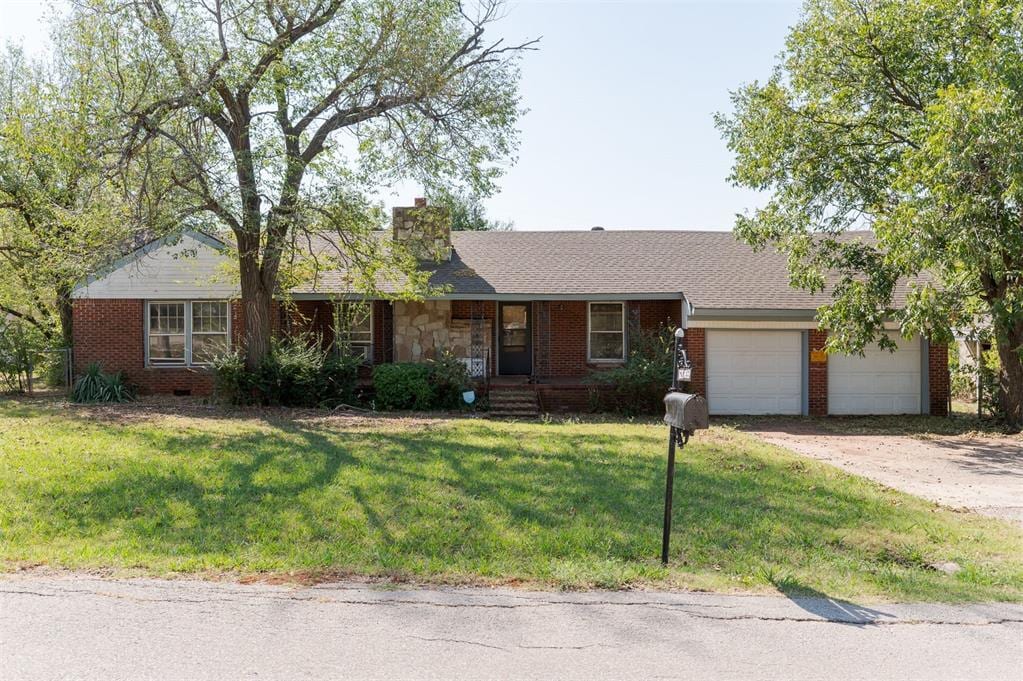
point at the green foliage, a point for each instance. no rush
(296, 373)
(901, 116)
(285, 116)
(963, 376)
(403, 385)
(434, 384)
(450, 378)
(18, 342)
(466, 211)
(991, 388)
(639, 385)
(63, 210)
(96, 386)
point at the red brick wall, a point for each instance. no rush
(112, 333)
(695, 344)
(654, 314)
(938, 378)
(315, 317)
(818, 375)
(567, 345)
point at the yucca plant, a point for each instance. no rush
(96, 386)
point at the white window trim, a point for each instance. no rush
(589, 333)
(369, 345)
(187, 363)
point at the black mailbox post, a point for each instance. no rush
(684, 413)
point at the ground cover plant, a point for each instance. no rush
(559, 504)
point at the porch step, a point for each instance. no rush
(518, 403)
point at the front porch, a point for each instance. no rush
(547, 347)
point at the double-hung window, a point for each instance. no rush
(186, 333)
(606, 332)
(354, 329)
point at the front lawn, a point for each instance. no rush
(559, 504)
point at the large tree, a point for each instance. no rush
(63, 210)
(287, 113)
(905, 117)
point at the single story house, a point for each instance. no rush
(540, 309)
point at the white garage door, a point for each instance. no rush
(882, 382)
(754, 372)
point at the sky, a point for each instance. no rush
(621, 98)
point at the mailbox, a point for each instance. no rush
(686, 412)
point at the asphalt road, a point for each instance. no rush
(84, 628)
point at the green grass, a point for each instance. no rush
(562, 504)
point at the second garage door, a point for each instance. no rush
(754, 372)
(880, 382)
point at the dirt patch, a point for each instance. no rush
(152, 409)
(982, 473)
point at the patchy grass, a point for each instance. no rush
(959, 424)
(559, 504)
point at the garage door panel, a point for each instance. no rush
(880, 382)
(754, 372)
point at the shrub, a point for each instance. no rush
(295, 373)
(450, 379)
(404, 385)
(338, 379)
(638, 386)
(96, 386)
(289, 374)
(232, 382)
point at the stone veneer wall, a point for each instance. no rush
(421, 329)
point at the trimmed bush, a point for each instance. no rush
(404, 385)
(435, 384)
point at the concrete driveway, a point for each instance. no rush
(85, 628)
(981, 473)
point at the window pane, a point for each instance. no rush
(207, 346)
(607, 346)
(167, 348)
(166, 317)
(513, 317)
(354, 324)
(606, 317)
(209, 317)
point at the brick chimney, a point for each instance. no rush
(426, 230)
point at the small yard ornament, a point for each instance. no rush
(684, 413)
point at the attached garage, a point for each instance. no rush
(881, 382)
(754, 371)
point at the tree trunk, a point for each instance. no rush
(1010, 347)
(256, 306)
(65, 311)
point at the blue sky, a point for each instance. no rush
(621, 97)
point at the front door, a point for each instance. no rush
(515, 343)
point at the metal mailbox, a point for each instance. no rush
(686, 412)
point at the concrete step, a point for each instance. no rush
(514, 414)
(530, 399)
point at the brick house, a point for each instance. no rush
(539, 310)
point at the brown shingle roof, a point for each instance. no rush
(713, 269)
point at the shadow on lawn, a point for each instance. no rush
(311, 498)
